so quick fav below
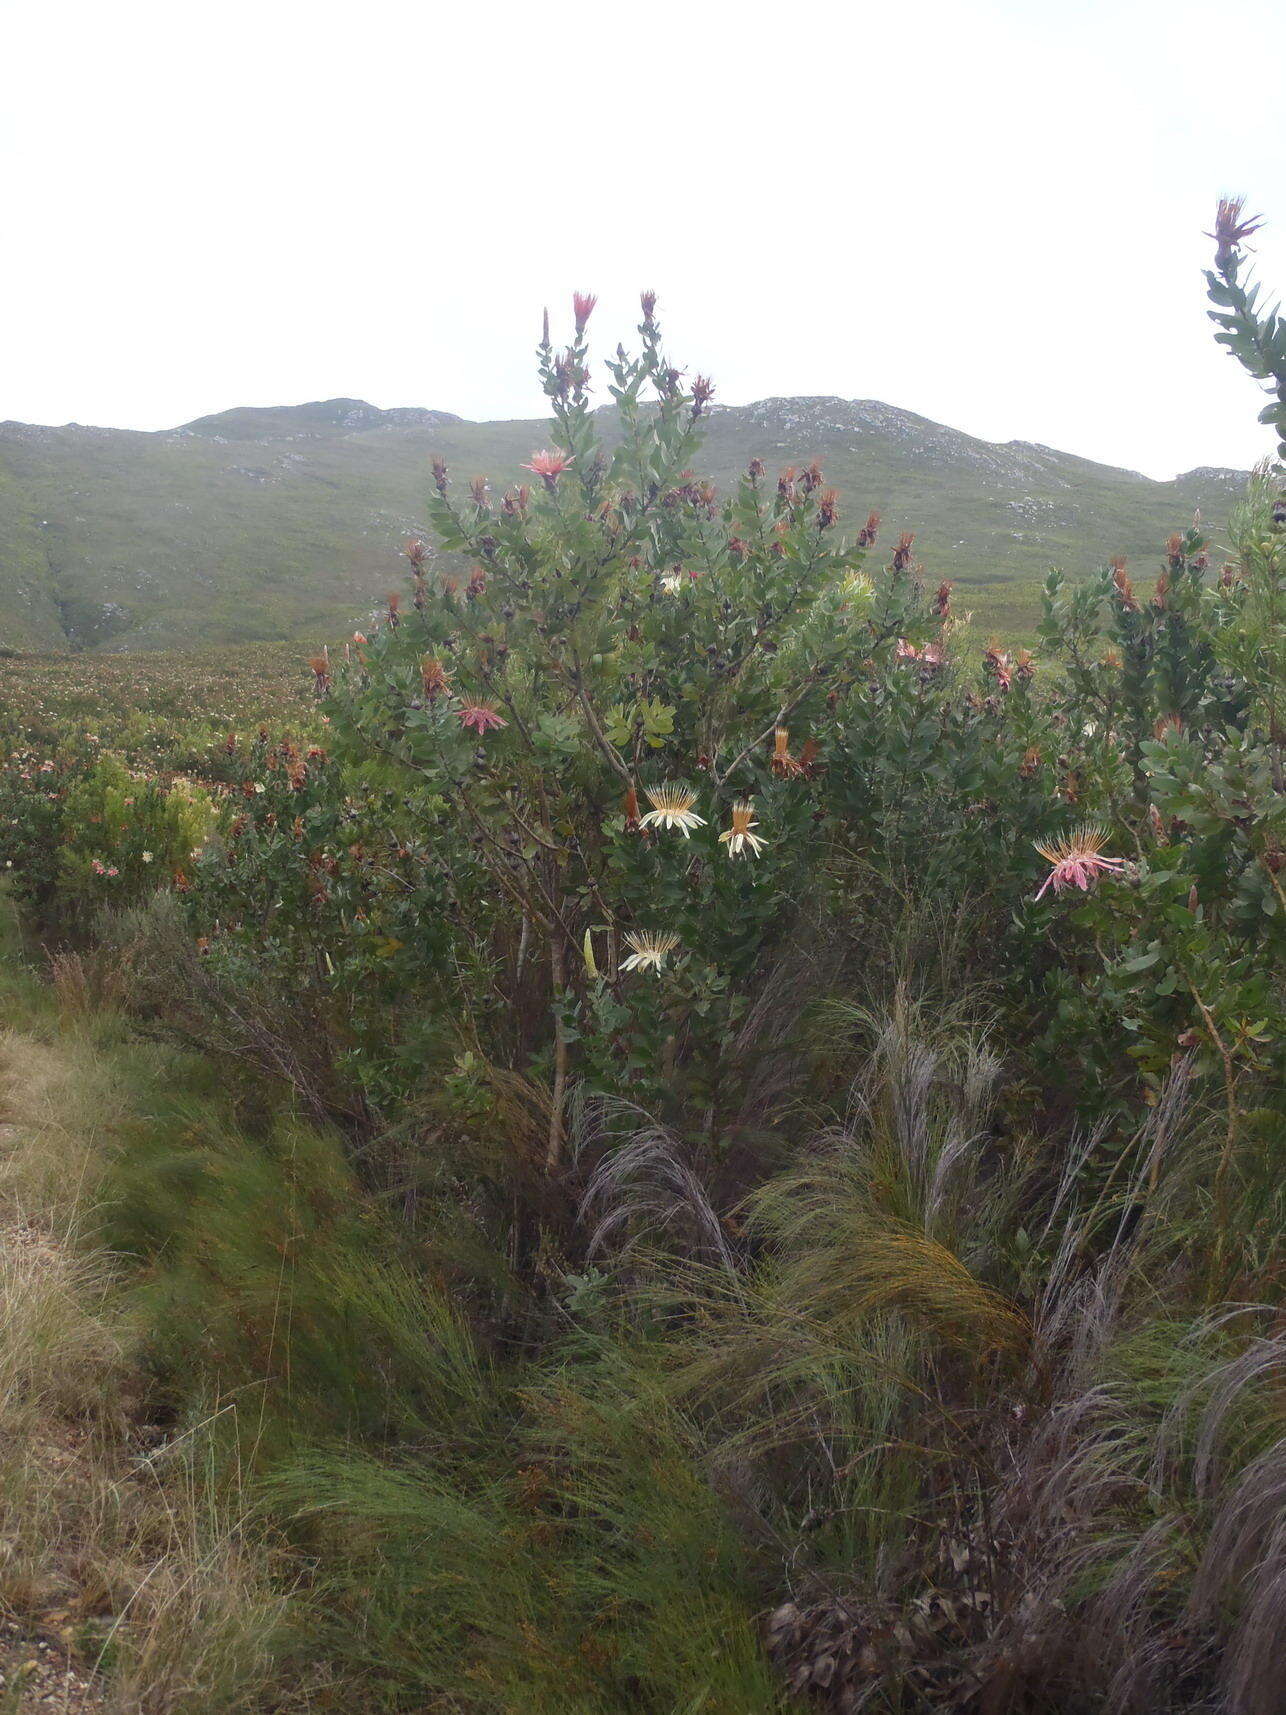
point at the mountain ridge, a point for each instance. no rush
(271, 522)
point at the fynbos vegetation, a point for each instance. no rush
(710, 1140)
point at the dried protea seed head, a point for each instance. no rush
(415, 551)
(902, 552)
(755, 469)
(827, 509)
(478, 489)
(1174, 548)
(1124, 588)
(942, 601)
(702, 393)
(869, 531)
(440, 473)
(1231, 231)
(433, 677)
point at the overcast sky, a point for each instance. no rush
(989, 213)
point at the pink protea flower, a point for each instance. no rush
(480, 716)
(1078, 859)
(549, 464)
(583, 308)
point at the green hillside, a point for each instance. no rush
(264, 524)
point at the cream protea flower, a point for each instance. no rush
(1077, 859)
(672, 808)
(671, 583)
(651, 948)
(741, 837)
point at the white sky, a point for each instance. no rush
(990, 213)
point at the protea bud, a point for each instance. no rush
(999, 665)
(869, 531)
(702, 393)
(648, 302)
(415, 551)
(440, 473)
(902, 552)
(583, 308)
(942, 601)
(827, 509)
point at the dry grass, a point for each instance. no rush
(130, 1556)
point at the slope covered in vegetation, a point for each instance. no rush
(259, 525)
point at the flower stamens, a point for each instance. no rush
(671, 808)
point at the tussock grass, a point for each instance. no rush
(150, 1569)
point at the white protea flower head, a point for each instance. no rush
(671, 583)
(651, 948)
(672, 808)
(741, 838)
